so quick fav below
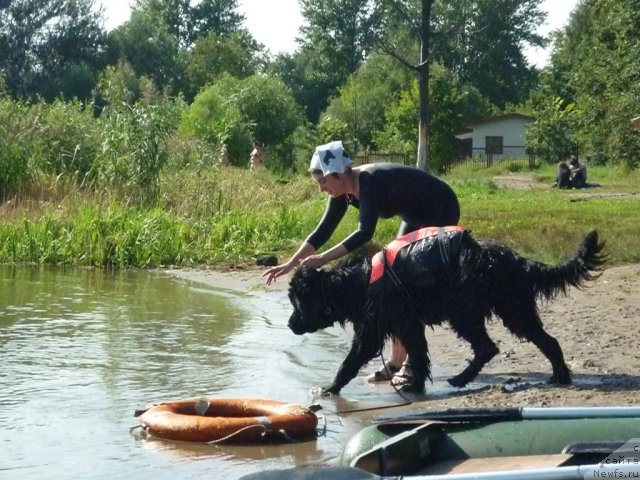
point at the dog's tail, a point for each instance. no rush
(575, 272)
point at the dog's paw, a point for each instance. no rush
(324, 391)
(410, 388)
(563, 379)
(458, 381)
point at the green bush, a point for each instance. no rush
(18, 130)
(231, 114)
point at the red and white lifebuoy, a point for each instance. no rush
(238, 420)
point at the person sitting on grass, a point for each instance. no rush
(562, 178)
(577, 173)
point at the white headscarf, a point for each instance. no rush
(330, 158)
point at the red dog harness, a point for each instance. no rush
(392, 250)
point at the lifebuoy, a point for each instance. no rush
(234, 419)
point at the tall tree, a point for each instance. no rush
(41, 39)
(483, 42)
(335, 39)
(187, 22)
(405, 12)
(595, 72)
(213, 55)
(149, 48)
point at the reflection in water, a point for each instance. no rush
(81, 349)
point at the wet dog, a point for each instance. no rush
(433, 276)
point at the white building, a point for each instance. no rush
(498, 137)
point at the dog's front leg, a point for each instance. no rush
(356, 359)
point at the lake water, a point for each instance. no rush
(82, 349)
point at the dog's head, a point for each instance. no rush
(313, 296)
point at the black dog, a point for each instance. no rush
(438, 275)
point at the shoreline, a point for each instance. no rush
(597, 328)
(240, 279)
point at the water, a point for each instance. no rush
(82, 349)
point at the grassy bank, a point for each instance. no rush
(227, 216)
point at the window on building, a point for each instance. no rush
(493, 145)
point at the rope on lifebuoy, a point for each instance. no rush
(231, 435)
(266, 431)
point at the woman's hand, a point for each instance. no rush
(313, 261)
(274, 272)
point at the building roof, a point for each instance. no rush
(506, 116)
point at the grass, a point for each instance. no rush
(222, 216)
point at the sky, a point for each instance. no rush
(275, 23)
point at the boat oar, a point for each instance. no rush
(511, 414)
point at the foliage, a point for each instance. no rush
(41, 40)
(309, 79)
(15, 150)
(68, 135)
(362, 101)
(483, 42)
(213, 54)
(186, 22)
(232, 113)
(595, 66)
(453, 104)
(150, 49)
(214, 117)
(170, 41)
(134, 139)
(551, 134)
(334, 41)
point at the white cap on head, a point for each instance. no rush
(330, 158)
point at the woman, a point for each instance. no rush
(379, 190)
(577, 173)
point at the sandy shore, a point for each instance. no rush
(598, 329)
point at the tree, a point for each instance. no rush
(422, 30)
(149, 48)
(213, 55)
(187, 22)
(311, 83)
(454, 105)
(362, 101)
(483, 40)
(233, 113)
(595, 68)
(170, 40)
(336, 38)
(40, 40)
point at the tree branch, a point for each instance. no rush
(393, 54)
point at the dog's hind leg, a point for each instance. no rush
(474, 331)
(526, 324)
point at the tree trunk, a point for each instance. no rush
(423, 86)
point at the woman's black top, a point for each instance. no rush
(386, 190)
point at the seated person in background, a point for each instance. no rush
(577, 173)
(562, 178)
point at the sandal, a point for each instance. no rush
(384, 373)
(403, 376)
